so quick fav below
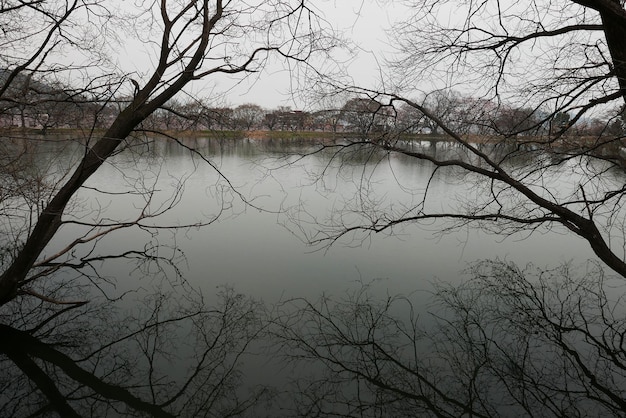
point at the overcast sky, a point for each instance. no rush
(363, 21)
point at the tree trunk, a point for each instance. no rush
(49, 221)
(615, 33)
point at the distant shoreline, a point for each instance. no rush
(297, 135)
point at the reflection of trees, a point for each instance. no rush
(172, 355)
(509, 342)
(73, 343)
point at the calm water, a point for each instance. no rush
(263, 203)
(259, 248)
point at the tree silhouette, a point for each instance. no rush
(61, 350)
(510, 342)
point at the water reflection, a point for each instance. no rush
(169, 355)
(160, 334)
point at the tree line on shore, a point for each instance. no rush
(36, 104)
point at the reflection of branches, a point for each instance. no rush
(23, 346)
(196, 153)
(508, 342)
(128, 367)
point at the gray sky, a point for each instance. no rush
(363, 21)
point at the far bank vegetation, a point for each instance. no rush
(45, 108)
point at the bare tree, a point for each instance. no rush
(247, 116)
(44, 287)
(443, 104)
(271, 119)
(365, 115)
(511, 342)
(409, 120)
(87, 360)
(188, 33)
(486, 48)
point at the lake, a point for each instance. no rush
(259, 247)
(262, 203)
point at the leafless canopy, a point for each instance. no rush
(511, 341)
(63, 64)
(184, 42)
(529, 74)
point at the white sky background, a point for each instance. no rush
(362, 21)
